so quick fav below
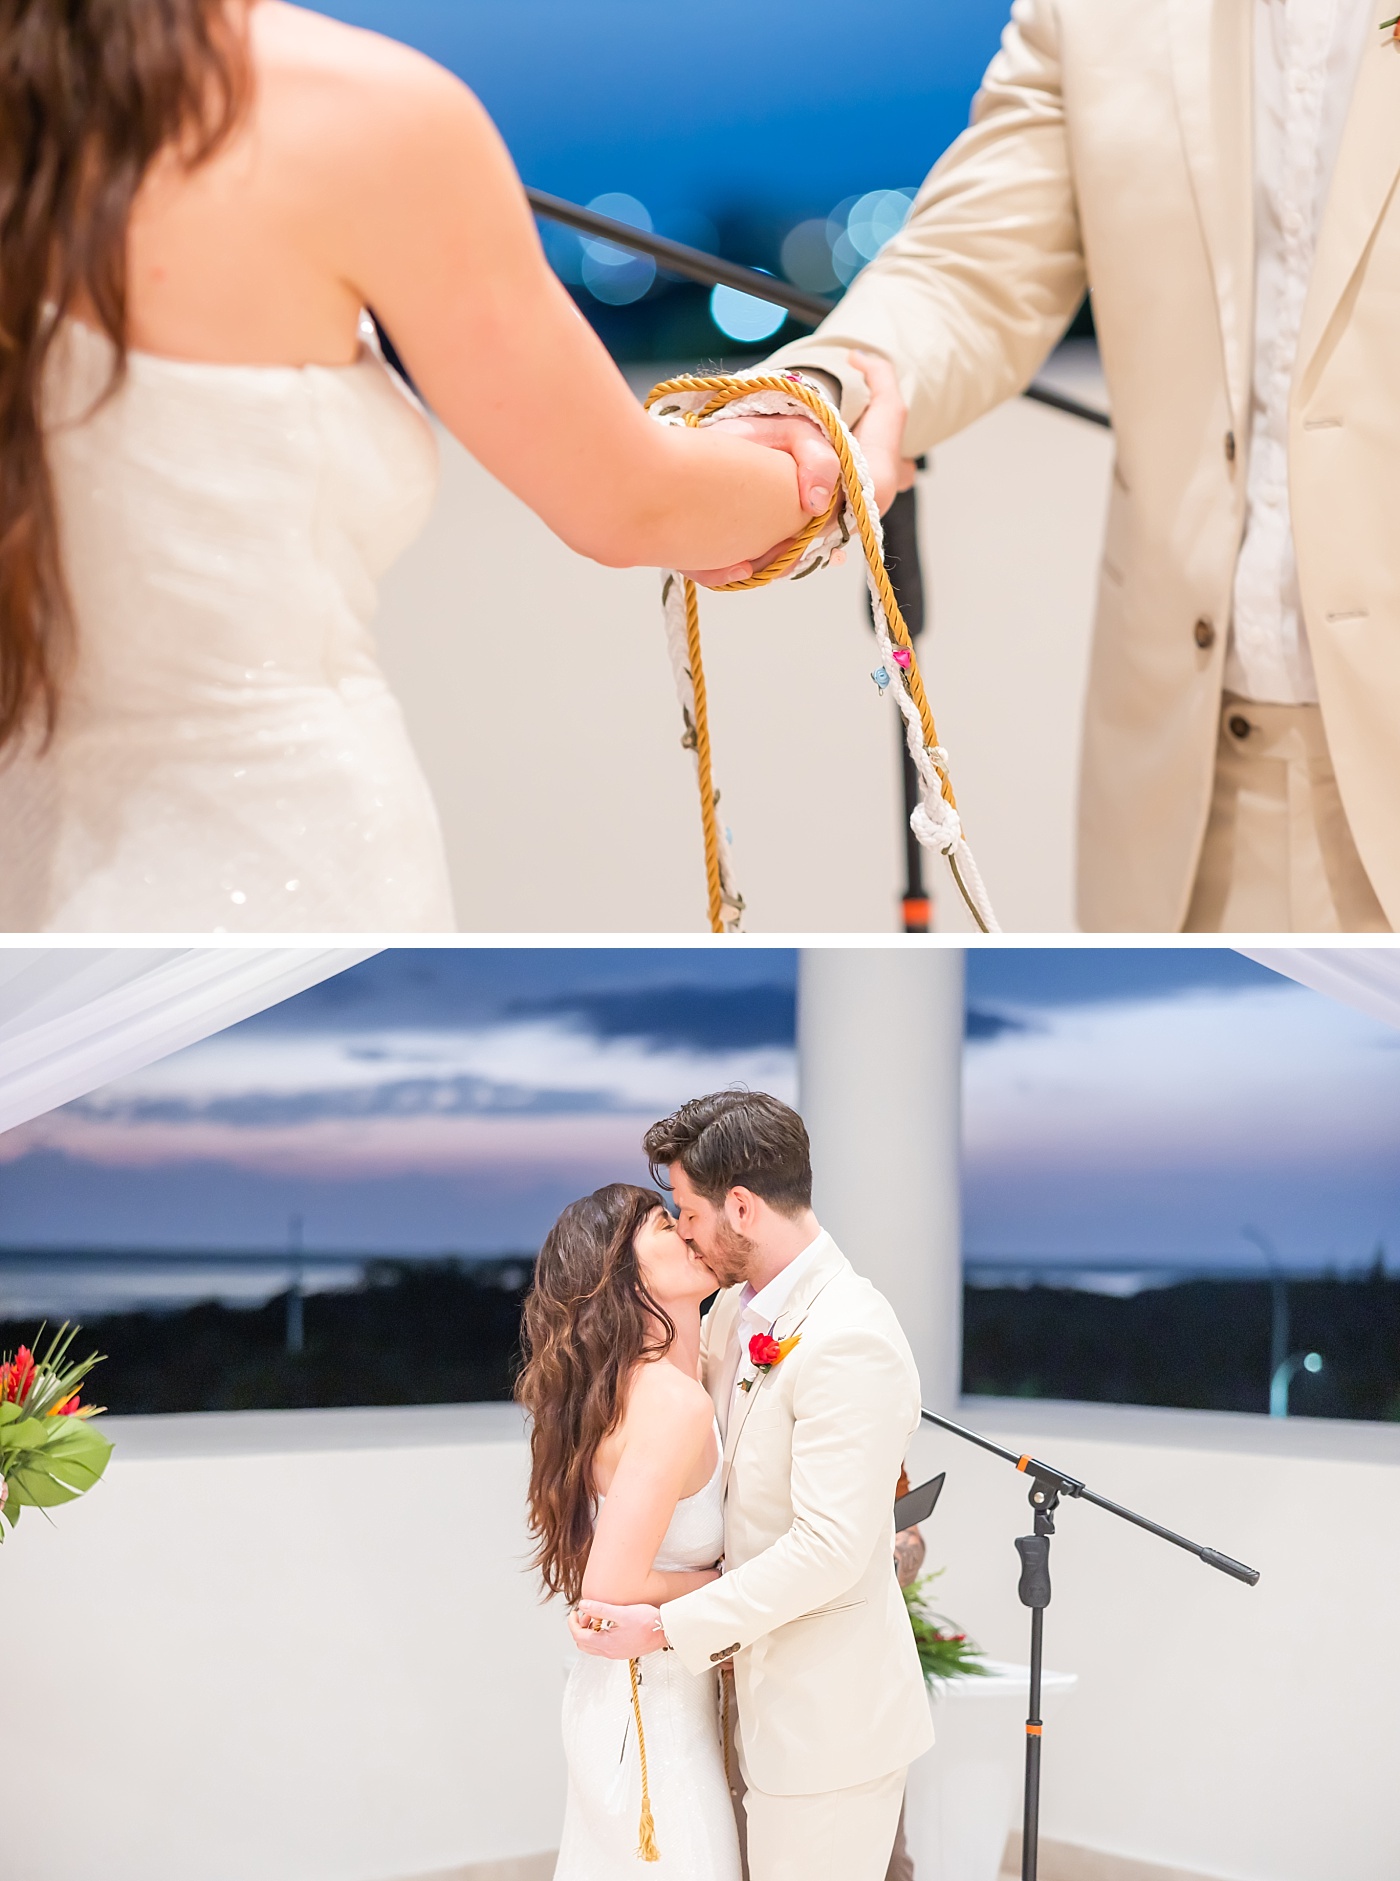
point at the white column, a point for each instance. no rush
(879, 1040)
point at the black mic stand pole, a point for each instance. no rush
(1047, 1486)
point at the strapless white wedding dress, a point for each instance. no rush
(690, 1801)
(228, 754)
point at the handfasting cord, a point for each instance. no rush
(646, 1828)
(935, 822)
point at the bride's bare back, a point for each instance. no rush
(362, 174)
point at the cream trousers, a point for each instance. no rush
(1278, 856)
(839, 1835)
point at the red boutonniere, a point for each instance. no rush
(765, 1352)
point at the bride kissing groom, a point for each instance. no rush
(720, 1495)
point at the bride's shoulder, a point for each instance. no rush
(348, 72)
(660, 1394)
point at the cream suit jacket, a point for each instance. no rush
(826, 1672)
(1113, 143)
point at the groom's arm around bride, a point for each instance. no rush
(818, 1396)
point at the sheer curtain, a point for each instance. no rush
(1365, 977)
(72, 1018)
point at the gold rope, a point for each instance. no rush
(646, 1828)
(708, 820)
(725, 390)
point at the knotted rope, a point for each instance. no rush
(935, 821)
(646, 1828)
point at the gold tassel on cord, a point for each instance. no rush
(646, 1829)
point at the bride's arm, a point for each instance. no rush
(665, 1432)
(430, 224)
(670, 1584)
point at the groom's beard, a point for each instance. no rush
(729, 1257)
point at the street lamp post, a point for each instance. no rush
(1285, 1374)
(296, 1310)
(1278, 1289)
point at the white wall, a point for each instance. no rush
(281, 1647)
(537, 690)
(302, 1647)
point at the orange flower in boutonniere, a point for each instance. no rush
(1392, 27)
(765, 1352)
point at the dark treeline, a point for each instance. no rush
(435, 1333)
(411, 1333)
(1201, 1345)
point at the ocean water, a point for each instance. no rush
(85, 1283)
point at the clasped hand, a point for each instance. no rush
(879, 433)
(609, 1632)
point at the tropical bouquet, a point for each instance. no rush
(944, 1652)
(49, 1452)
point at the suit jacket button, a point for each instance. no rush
(1204, 631)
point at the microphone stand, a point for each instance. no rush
(1047, 1486)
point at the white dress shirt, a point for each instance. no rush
(759, 1311)
(1306, 55)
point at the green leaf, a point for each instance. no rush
(77, 1447)
(35, 1489)
(28, 1433)
(944, 1651)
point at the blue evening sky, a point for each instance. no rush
(1134, 1105)
(719, 107)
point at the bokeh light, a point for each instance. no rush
(611, 274)
(806, 257)
(744, 316)
(858, 228)
(875, 217)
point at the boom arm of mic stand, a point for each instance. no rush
(1071, 1486)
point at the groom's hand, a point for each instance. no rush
(818, 473)
(879, 433)
(634, 1631)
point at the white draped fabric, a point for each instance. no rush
(1365, 977)
(73, 1018)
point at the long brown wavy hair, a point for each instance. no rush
(588, 1320)
(91, 92)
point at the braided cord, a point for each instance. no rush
(709, 821)
(724, 391)
(646, 1828)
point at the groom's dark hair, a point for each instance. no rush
(736, 1139)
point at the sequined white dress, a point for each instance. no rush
(690, 1801)
(228, 754)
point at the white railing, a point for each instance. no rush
(303, 1646)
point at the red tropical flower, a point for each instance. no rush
(17, 1377)
(763, 1349)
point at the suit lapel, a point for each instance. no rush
(1367, 165)
(1212, 55)
(829, 1263)
(742, 1407)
